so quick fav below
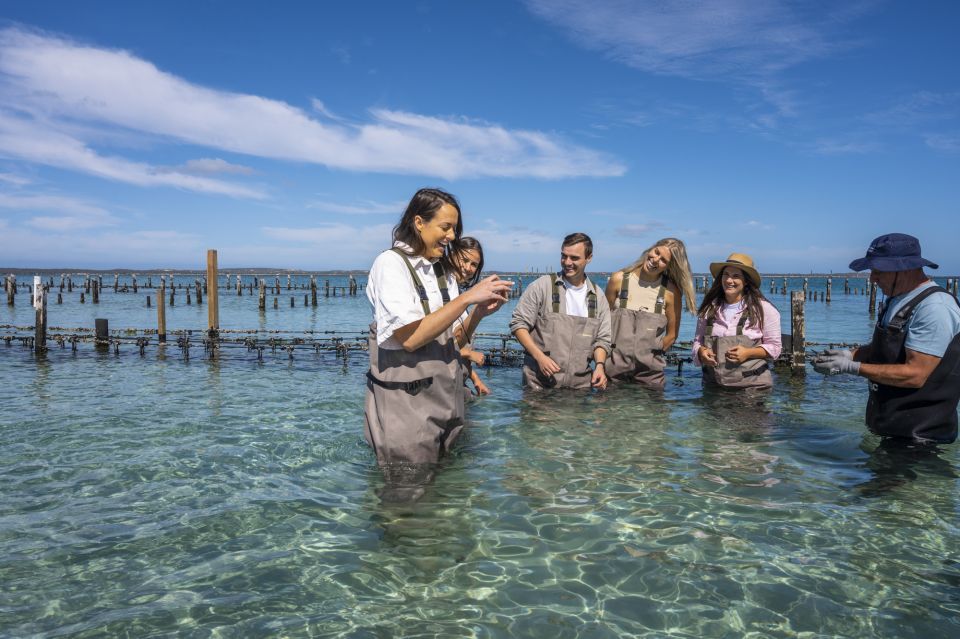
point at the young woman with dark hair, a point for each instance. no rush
(414, 404)
(738, 330)
(468, 262)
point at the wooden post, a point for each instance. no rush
(846, 286)
(326, 288)
(116, 282)
(306, 300)
(276, 302)
(59, 298)
(829, 288)
(188, 296)
(263, 295)
(95, 285)
(134, 278)
(276, 285)
(213, 298)
(292, 302)
(798, 326)
(313, 290)
(873, 299)
(199, 286)
(161, 314)
(784, 290)
(102, 330)
(239, 287)
(40, 325)
(173, 295)
(148, 301)
(11, 284)
(288, 281)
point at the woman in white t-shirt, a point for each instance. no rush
(414, 404)
(738, 330)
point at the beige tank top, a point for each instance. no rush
(641, 295)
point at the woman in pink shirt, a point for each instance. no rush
(738, 330)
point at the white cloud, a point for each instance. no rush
(33, 141)
(740, 38)
(15, 180)
(833, 146)
(27, 202)
(943, 142)
(68, 82)
(210, 166)
(365, 207)
(639, 230)
(918, 108)
(757, 225)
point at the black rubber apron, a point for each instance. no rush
(928, 413)
(566, 339)
(414, 404)
(637, 351)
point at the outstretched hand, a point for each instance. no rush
(835, 364)
(489, 294)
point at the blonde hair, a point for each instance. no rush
(678, 269)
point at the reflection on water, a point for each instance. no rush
(157, 497)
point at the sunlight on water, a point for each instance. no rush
(154, 496)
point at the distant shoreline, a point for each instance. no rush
(336, 272)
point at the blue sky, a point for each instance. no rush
(291, 135)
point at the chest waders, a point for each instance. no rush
(753, 373)
(566, 339)
(637, 351)
(414, 405)
(928, 413)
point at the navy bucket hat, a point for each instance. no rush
(892, 252)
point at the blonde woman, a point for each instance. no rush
(646, 302)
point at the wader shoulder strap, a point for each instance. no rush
(708, 327)
(554, 283)
(441, 282)
(742, 322)
(592, 301)
(661, 294)
(624, 289)
(900, 319)
(417, 283)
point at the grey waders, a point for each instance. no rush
(414, 405)
(754, 373)
(637, 351)
(566, 339)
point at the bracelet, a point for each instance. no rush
(604, 364)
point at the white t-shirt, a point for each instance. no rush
(730, 311)
(394, 297)
(576, 299)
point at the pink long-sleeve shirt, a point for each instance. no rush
(726, 324)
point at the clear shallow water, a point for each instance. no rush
(153, 496)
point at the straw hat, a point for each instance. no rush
(743, 262)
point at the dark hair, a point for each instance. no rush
(752, 297)
(425, 203)
(463, 245)
(576, 238)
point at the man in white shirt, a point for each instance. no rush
(561, 326)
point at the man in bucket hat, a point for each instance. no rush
(913, 361)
